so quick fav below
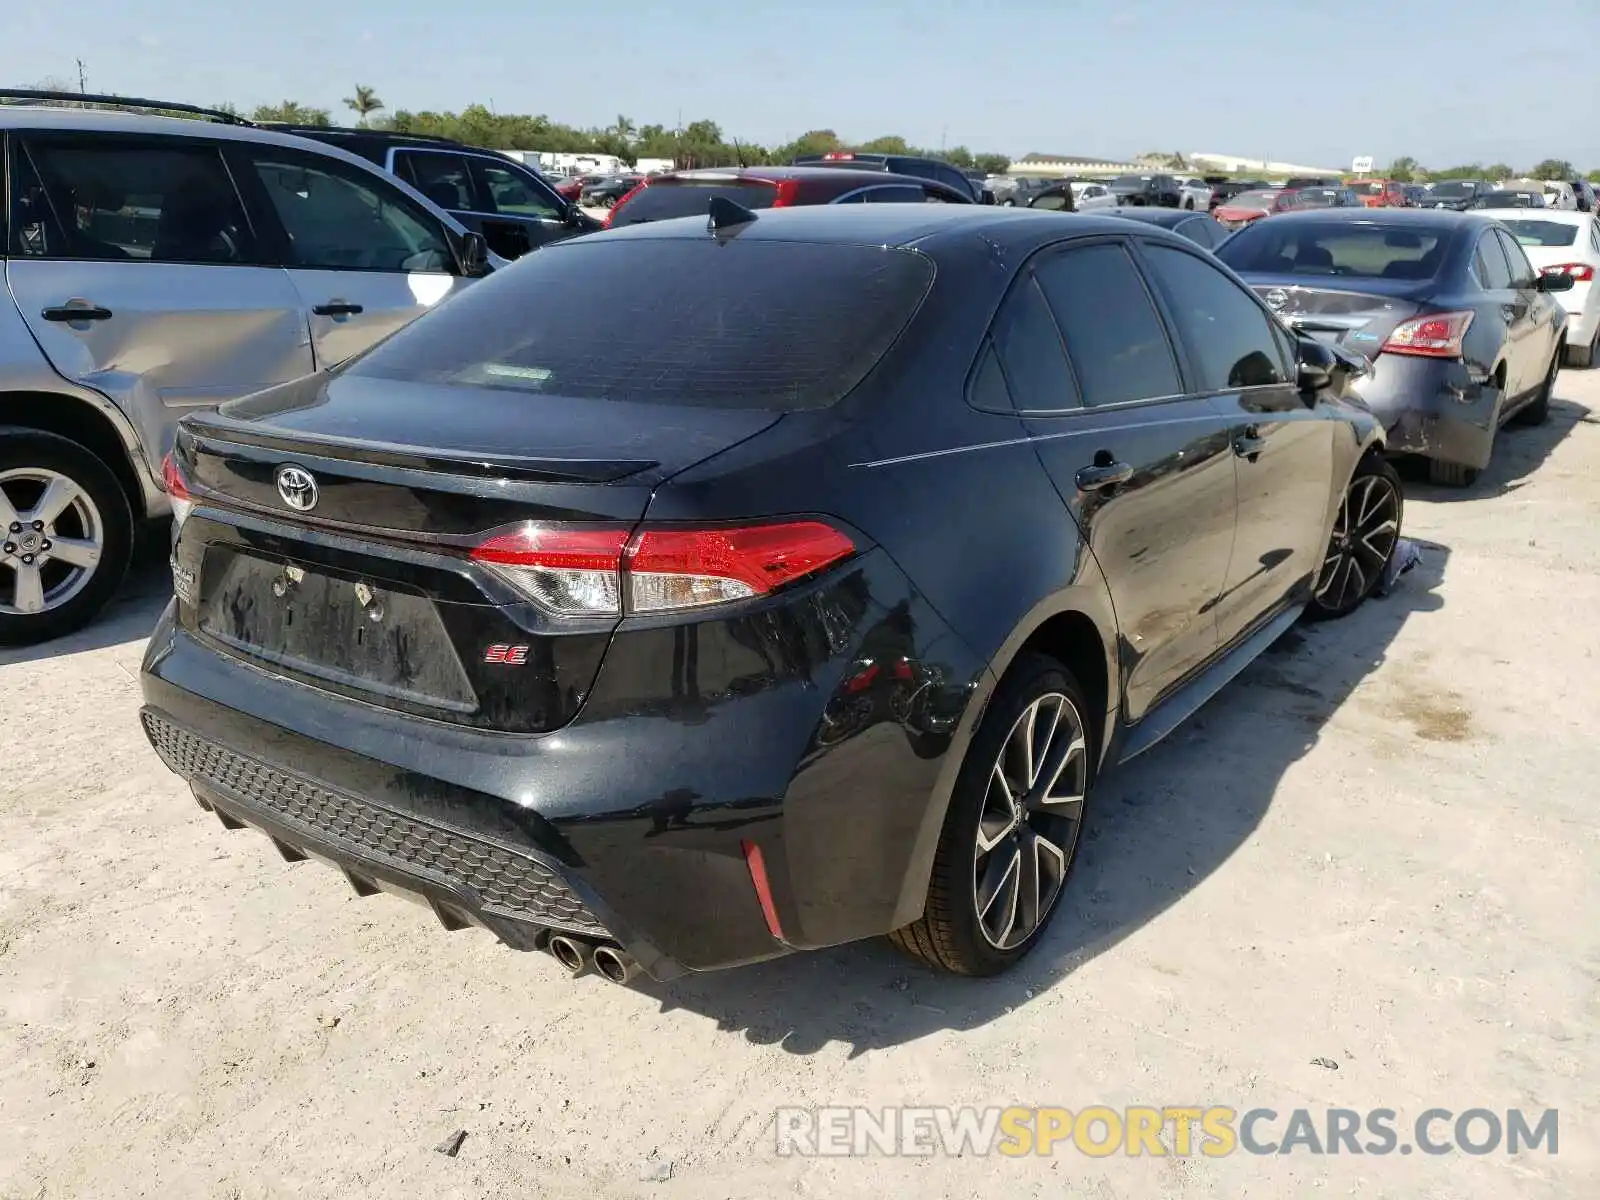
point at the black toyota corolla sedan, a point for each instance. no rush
(1460, 330)
(790, 582)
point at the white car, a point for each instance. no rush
(1559, 194)
(1559, 241)
(1089, 196)
(1194, 194)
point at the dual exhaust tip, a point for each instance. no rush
(576, 955)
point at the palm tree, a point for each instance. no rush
(364, 103)
(623, 129)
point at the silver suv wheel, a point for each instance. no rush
(53, 539)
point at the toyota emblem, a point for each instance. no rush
(297, 488)
(1276, 299)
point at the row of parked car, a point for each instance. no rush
(458, 586)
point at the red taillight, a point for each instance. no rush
(758, 879)
(626, 196)
(569, 572)
(1580, 272)
(670, 569)
(838, 156)
(578, 572)
(788, 193)
(1436, 336)
(177, 490)
(172, 479)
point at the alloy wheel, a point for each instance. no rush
(1028, 825)
(1364, 536)
(51, 540)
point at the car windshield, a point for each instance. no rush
(674, 321)
(1335, 248)
(1453, 190)
(1532, 232)
(1317, 197)
(1257, 200)
(1131, 180)
(665, 199)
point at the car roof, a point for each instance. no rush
(925, 226)
(1561, 216)
(1384, 218)
(1167, 218)
(52, 119)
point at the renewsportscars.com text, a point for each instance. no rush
(1100, 1131)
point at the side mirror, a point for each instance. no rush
(474, 255)
(1554, 283)
(1317, 364)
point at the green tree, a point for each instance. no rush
(1554, 168)
(1467, 171)
(623, 130)
(291, 112)
(1594, 175)
(1498, 171)
(885, 145)
(991, 164)
(364, 103)
(1405, 169)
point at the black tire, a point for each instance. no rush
(1365, 533)
(1582, 357)
(948, 935)
(1446, 474)
(1538, 412)
(1008, 202)
(29, 450)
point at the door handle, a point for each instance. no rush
(76, 312)
(1102, 475)
(337, 308)
(1249, 444)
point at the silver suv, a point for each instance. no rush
(155, 265)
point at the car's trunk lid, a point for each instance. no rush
(370, 590)
(1358, 321)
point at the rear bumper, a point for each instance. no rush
(1432, 407)
(629, 824)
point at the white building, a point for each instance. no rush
(1051, 166)
(1232, 164)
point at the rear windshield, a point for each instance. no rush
(1368, 187)
(1453, 191)
(665, 199)
(1261, 200)
(736, 324)
(1335, 249)
(1541, 233)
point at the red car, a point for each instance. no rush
(1380, 193)
(1252, 206)
(571, 189)
(687, 193)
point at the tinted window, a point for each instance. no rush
(515, 193)
(1336, 248)
(666, 199)
(1202, 231)
(1228, 336)
(770, 325)
(1522, 272)
(1531, 231)
(988, 390)
(900, 194)
(952, 178)
(442, 178)
(1116, 342)
(1489, 264)
(1029, 345)
(121, 200)
(338, 216)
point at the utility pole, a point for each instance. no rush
(83, 85)
(944, 135)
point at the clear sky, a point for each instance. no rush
(1312, 81)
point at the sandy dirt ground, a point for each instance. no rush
(1377, 849)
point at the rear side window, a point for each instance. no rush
(1490, 264)
(1029, 345)
(666, 199)
(1228, 337)
(113, 200)
(742, 324)
(1337, 248)
(1115, 338)
(1534, 232)
(442, 178)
